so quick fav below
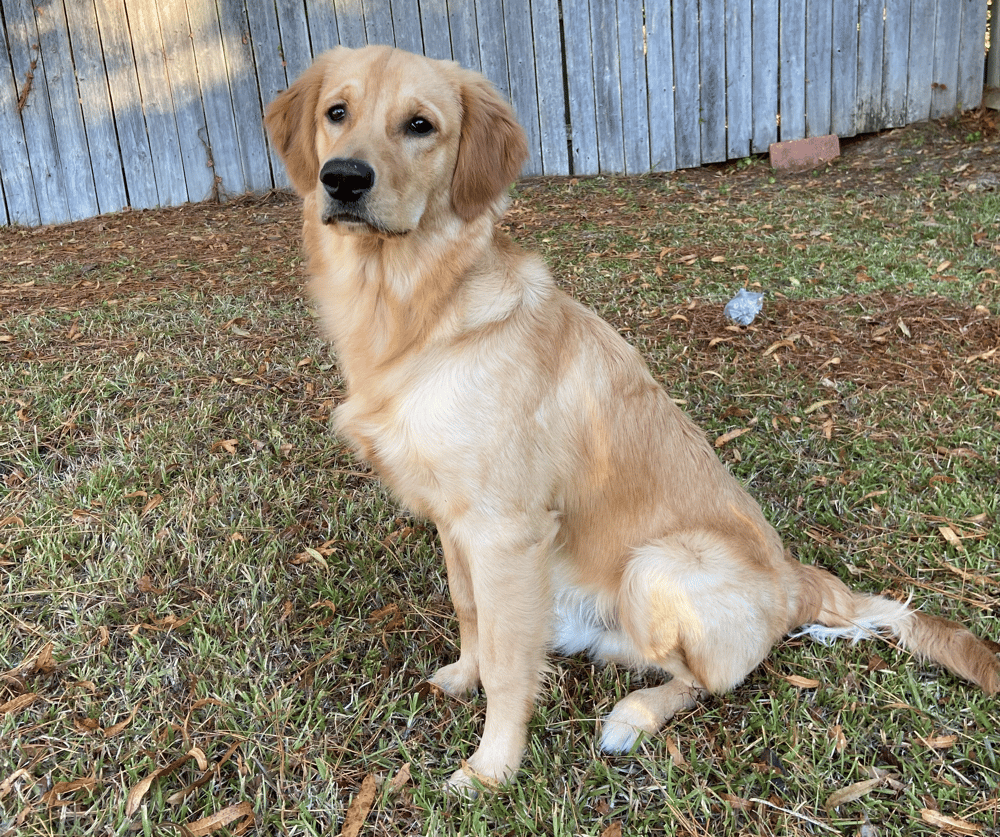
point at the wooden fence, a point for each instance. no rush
(112, 103)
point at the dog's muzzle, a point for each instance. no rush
(347, 183)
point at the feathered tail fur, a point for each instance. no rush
(830, 610)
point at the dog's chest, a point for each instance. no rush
(422, 439)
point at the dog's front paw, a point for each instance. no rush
(469, 782)
(457, 679)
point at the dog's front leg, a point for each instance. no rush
(462, 676)
(512, 600)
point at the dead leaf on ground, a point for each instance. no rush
(18, 703)
(952, 825)
(360, 806)
(221, 819)
(400, 780)
(138, 793)
(114, 729)
(852, 793)
(726, 438)
(800, 682)
(52, 796)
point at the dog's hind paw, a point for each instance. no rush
(627, 723)
(619, 737)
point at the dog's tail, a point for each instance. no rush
(829, 610)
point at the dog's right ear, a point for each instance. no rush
(291, 124)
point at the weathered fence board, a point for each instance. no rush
(580, 82)
(660, 88)
(764, 74)
(35, 107)
(712, 89)
(844, 76)
(792, 77)
(687, 97)
(113, 103)
(819, 66)
(871, 37)
(126, 102)
(551, 90)
(739, 78)
(95, 102)
(970, 74)
(154, 88)
(20, 204)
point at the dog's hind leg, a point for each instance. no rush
(646, 711)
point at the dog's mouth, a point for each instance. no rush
(356, 222)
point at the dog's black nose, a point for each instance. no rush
(347, 180)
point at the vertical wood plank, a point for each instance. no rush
(157, 105)
(28, 64)
(608, 88)
(660, 86)
(269, 67)
(739, 78)
(819, 64)
(350, 22)
(792, 63)
(406, 25)
(123, 84)
(551, 92)
(687, 96)
(248, 108)
(635, 98)
(580, 80)
(896, 60)
(871, 35)
(518, 37)
(947, 42)
(223, 137)
(844, 89)
(296, 51)
(492, 44)
(21, 207)
(434, 24)
(712, 55)
(64, 101)
(764, 33)
(95, 102)
(464, 27)
(321, 23)
(189, 113)
(378, 22)
(920, 71)
(973, 36)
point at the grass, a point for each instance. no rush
(197, 579)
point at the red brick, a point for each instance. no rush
(802, 154)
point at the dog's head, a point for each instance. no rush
(388, 141)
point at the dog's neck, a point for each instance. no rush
(384, 297)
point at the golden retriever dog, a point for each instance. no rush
(578, 508)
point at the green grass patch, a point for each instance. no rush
(197, 579)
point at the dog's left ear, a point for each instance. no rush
(492, 148)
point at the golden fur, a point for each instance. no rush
(578, 507)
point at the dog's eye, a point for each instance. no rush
(419, 126)
(337, 113)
